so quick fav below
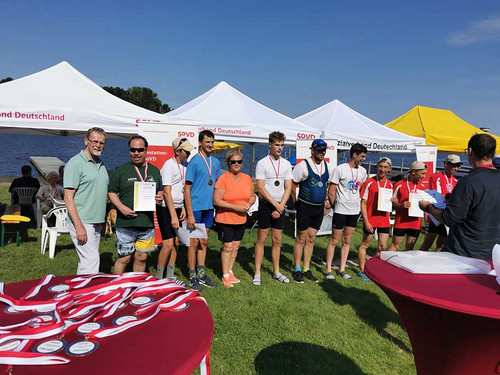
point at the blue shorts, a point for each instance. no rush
(204, 217)
(133, 239)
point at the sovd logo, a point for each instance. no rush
(185, 134)
(305, 136)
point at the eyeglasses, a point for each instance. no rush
(235, 161)
(133, 149)
(94, 142)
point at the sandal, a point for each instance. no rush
(256, 281)
(281, 278)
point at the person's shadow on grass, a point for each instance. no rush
(294, 357)
(368, 307)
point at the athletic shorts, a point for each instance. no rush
(165, 222)
(308, 215)
(440, 229)
(230, 232)
(340, 221)
(204, 217)
(400, 232)
(133, 239)
(379, 230)
(264, 216)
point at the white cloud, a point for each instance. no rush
(476, 32)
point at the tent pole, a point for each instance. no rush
(252, 159)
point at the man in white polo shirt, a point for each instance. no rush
(273, 175)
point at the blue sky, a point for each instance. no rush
(381, 58)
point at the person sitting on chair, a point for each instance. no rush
(48, 192)
(25, 181)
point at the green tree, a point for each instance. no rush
(141, 96)
(8, 79)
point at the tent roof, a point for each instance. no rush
(233, 116)
(337, 120)
(78, 103)
(439, 127)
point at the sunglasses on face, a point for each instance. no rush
(133, 149)
(235, 161)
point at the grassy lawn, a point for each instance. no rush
(339, 327)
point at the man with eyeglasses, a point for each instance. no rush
(85, 194)
(172, 212)
(135, 232)
(312, 175)
(343, 193)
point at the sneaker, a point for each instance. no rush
(297, 276)
(207, 282)
(345, 275)
(195, 284)
(176, 281)
(363, 276)
(329, 276)
(309, 276)
(233, 278)
(227, 282)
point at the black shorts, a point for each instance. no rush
(230, 232)
(379, 230)
(309, 215)
(264, 216)
(340, 221)
(165, 222)
(400, 232)
(440, 229)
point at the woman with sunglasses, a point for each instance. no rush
(233, 196)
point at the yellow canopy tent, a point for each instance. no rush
(439, 127)
(221, 146)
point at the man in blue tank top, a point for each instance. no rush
(312, 175)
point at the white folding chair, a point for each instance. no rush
(61, 226)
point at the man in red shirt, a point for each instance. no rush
(444, 183)
(373, 218)
(405, 224)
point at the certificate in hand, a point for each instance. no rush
(144, 196)
(414, 210)
(384, 199)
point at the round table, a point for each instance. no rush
(453, 321)
(173, 342)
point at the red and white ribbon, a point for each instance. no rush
(27, 358)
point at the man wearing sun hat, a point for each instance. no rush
(404, 224)
(312, 174)
(172, 212)
(443, 182)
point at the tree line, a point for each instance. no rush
(141, 96)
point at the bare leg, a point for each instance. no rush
(382, 242)
(344, 250)
(193, 246)
(298, 247)
(259, 248)
(428, 241)
(140, 261)
(201, 255)
(234, 254)
(410, 242)
(362, 250)
(309, 246)
(396, 242)
(276, 235)
(120, 264)
(227, 253)
(440, 243)
(165, 252)
(330, 248)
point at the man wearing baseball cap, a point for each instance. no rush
(374, 220)
(444, 182)
(173, 176)
(404, 224)
(312, 175)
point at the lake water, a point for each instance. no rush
(17, 149)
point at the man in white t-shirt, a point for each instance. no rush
(173, 175)
(273, 175)
(344, 197)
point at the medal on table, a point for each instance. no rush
(209, 168)
(276, 172)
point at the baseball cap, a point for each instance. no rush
(319, 144)
(182, 144)
(387, 160)
(453, 159)
(417, 166)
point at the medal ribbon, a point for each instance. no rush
(320, 171)
(145, 172)
(209, 169)
(34, 291)
(408, 186)
(27, 358)
(277, 173)
(378, 183)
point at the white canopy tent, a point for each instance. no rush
(62, 101)
(233, 116)
(338, 121)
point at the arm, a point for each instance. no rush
(220, 202)
(126, 211)
(188, 204)
(332, 193)
(81, 233)
(167, 193)
(430, 209)
(364, 213)
(286, 193)
(263, 193)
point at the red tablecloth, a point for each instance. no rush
(453, 321)
(173, 342)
